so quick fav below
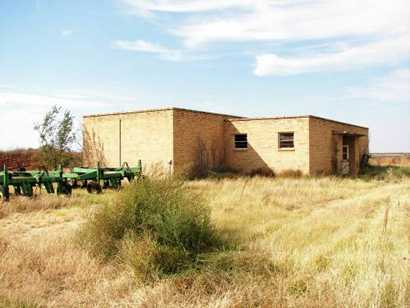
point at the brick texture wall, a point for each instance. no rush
(263, 145)
(198, 137)
(326, 147)
(187, 138)
(144, 135)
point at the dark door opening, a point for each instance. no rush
(348, 166)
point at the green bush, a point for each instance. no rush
(155, 226)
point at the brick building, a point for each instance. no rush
(179, 140)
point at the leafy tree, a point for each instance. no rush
(57, 137)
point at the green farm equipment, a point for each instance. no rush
(93, 179)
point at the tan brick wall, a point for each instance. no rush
(100, 138)
(180, 136)
(326, 148)
(144, 135)
(195, 134)
(263, 145)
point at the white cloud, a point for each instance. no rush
(382, 24)
(147, 47)
(164, 53)
(21, 110)
(394, 87)
(381, 52)
(283, 20)
(66, 32)
(184, 6)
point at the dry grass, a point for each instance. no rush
(301, 242)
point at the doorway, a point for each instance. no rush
(348, 153)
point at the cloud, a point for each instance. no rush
(164, 53)
(21, 110)
(183, 6)
(147, 47)
(394, 87)
(282, 20)
(350, 57)
(377, 24)
(65, 33)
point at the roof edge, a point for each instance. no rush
(160, 109)
(338, 122)
(296, 117)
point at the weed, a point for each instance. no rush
(290, 173)
(157, 226)
(16, 303)
(263, 172)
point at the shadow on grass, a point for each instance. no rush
(384, 172)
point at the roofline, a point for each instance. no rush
(228, 117)
(159, 109)
(338, 122)
(297, 117)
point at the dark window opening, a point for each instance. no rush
(241, 141)
(286, 140)
(345, 152)
(346, 148)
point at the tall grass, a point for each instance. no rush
(301, 242)
(386, 173)
(156, 226)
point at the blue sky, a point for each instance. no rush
(344, 59)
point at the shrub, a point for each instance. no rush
(290, 173)
(156, 226)
(384, 172)
(223, 172)
(263, 171)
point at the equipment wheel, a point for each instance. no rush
(94, 187)
(106, 184)
(4, 194)
(66, 189)
(17, 190)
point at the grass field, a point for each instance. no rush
(309, 242)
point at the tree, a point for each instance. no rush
(57, 137)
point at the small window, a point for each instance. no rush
(286, 140)
(346, 153)
(241, 141)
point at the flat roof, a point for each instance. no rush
(228, 116)
(159, 109)
(296, 117)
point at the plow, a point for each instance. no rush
(94, 180)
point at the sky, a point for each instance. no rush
(347, 60)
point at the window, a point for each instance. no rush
(241, 141)
(286, 140)
(345, 152)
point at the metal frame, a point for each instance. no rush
(93, 179)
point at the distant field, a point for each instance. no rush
(305, 242)
(392, 159)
